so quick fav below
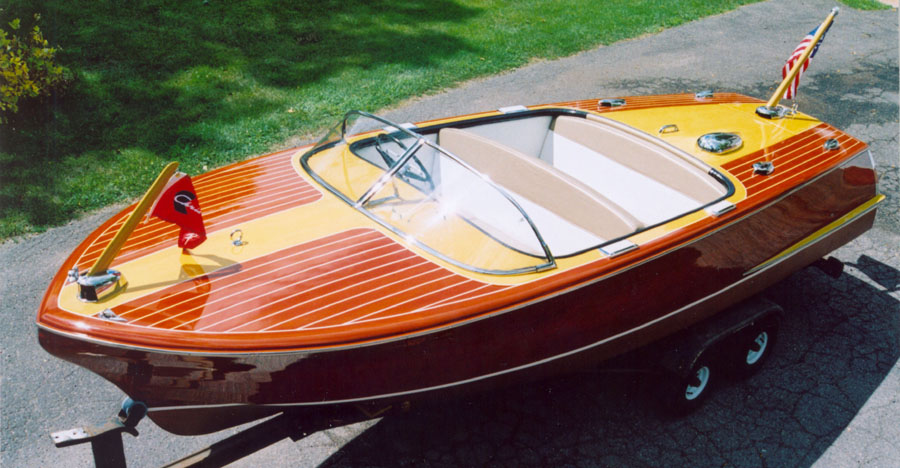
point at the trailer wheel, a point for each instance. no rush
(695, 387)
(754, 346)
(686, 393)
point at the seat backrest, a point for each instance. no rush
(540, 183)
(640, 153)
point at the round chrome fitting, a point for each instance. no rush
(720, 142)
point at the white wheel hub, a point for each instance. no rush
(696, 388)
(758, 349)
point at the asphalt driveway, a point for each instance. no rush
(829, 397)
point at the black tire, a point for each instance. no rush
(685, 393)
(752, 347)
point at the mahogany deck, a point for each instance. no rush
(796, 159)
(229, 195)
(360, 284)
(668, 100)
(354, 276)
(355, 317)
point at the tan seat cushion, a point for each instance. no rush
(540, 183)
(640, 153)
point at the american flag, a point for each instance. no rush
(792, 89)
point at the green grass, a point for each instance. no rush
(866, 4)
(211, 82)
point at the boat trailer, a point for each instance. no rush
(108, 449)
(736, 341)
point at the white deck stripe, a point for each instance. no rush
(796, 154)
(295, 305)
(249, 278)
(381, 298)
(445, 300)
(361, 319)
(825, 161)
(216, 312)
(262, 172)
(200, 182)
(787, 154)
(212, 198)
(240, 169)
(744, 163)
(211, 225)
(210, 217)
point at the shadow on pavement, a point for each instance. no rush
(838, 342)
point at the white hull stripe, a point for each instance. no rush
(531, 364)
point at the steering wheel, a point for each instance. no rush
(408, 171)
(388, 157)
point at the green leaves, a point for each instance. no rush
(27, 67)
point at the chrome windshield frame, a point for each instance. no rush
(384, 178)
(551, 260)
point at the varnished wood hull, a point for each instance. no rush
(670, 286)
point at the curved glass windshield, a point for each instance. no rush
(412, 186)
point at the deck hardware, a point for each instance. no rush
(670, 128)
(512, 109)
(108, 314)
(705, 94)
(240, 235)
(93, 288)
(719, 208)
(720, 142)
(763, 167)
(832, 144)
(72, 276)
(618, 248)
(776, 112)
(612, 102)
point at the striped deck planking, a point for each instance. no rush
(669, 100)
(227, 196)
(369, 277)
(285, 190)
(796, 159)
(345, 277)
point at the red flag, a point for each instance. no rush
(791, 91)
(178, 204)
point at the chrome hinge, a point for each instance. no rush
(618, 248)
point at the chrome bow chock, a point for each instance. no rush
(93, 288)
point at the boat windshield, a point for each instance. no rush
(415, 188)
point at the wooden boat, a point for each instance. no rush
(408, 261)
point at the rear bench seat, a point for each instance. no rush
(629, 168)
(540, 183)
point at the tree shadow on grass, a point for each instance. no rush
(202, 81)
